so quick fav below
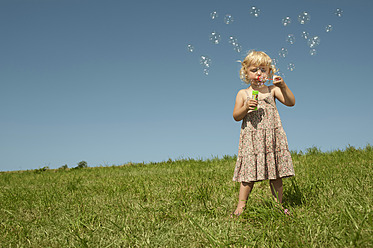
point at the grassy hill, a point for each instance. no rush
(187, 203)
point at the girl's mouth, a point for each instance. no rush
(262, 78)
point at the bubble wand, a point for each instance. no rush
(261, 79)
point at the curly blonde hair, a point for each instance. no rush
(256, 58)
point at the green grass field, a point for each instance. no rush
(187, 203)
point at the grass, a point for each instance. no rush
(187, 203)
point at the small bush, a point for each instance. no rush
(64, 167)
(81, 165)
(40, 170)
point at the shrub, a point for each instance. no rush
(82, 164)
(64, 167)
(40, 170)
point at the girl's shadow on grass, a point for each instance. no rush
(293, 194)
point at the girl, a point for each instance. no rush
(263, 151)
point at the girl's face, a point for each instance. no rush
(257, 72)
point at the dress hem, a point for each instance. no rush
(260, 180)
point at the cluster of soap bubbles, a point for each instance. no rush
(312, 41)
(283, 53)
(215, 38)
(338, 12)
(304, 17)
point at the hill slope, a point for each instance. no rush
(187, 203)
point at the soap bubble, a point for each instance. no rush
(190, 48)
(304, 17)
(205, 61)
(254, 11)
(274, 62)
(214, 15)
(214, 37)
(236, 46)
(233, 41)
(328, 28)
(313, 42)
(228, 19)
(291, 66)
(305, 35)
(313, 52)
(338, 12)
(283, 52)
(290, 39)
(286, 21)
(281, 74)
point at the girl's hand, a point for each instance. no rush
(278, 81)
(251, 104)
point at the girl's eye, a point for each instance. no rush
(263, 70)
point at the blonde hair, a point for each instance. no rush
(256, 58)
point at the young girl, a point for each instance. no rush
(263, 151)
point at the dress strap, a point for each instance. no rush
(247, 93)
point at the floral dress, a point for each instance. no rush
(263, 151)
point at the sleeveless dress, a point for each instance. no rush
(263, 151)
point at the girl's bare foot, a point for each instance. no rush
(237, 212)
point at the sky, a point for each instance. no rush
(111, 81)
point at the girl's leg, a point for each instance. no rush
(276, 188)
(245, 190)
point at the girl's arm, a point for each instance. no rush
(282, 92)
(242, 106)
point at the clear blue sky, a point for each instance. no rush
(112, 81)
